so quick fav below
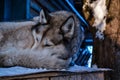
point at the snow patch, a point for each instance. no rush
(99, 12)
(17, 70)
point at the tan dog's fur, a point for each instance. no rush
(46, 42)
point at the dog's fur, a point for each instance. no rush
(48, 41)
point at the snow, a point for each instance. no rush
(17, 70)
(99, 10)
(76, 68)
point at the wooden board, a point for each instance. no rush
(97, 74)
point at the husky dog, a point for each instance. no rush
(48, 41)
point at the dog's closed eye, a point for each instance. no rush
(48, 43)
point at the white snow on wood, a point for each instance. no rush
(17, 70)
(99, 10)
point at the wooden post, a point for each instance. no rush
(107, 52)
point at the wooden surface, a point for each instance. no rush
(97, 74)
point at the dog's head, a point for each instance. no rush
(56, 33)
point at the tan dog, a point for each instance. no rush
(49, 41)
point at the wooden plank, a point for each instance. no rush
(36, 75)
(93, 76)
(60, 76)
(38, 79)
(86, 76)
(70, 77)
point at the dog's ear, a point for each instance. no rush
(43, 17)
(68, 28)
